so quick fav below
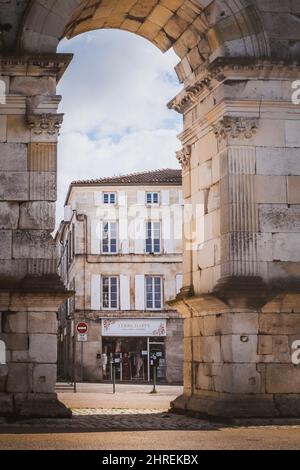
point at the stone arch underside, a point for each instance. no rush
(198, 30)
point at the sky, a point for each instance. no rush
(116, 120)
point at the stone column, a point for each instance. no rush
(30, 289)
(241, 295)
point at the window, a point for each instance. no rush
(152, 198)
(109, 198)
(153, 293)
(153, 237)
(110, 292)
(110, 238)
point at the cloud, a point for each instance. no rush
(114, 99)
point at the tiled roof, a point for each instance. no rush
(154, 177)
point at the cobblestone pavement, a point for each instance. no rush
(112, 420)
(101, 420)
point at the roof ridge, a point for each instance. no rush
(122, 178)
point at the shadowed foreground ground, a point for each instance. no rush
(135, 419)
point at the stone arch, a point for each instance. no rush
(198, 30)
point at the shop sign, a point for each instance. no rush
(152, 327)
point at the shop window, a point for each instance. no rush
(153, 293)
(153, 237)
(110, 292)
(110, 238)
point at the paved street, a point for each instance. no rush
(135, 419)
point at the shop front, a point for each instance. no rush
(131, 343)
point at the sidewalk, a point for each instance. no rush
(128, 396)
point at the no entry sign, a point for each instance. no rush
(82, 328)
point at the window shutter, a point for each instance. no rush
(96, 228)
(165, 198)
(167, 235)
(122, 198)
(179, 283)
(139, 236)
(98, 198)
(123, 223)
(180, 198)
(140, 292)
(141, 198)
(125, 292)
(96, 292)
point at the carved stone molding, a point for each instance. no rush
(235, 127)
(44, 124)
(184, 156)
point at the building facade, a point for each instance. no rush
(120, 250)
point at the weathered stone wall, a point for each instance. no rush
(174, 351)
(30, 289)
(241, 168)
(240, 360)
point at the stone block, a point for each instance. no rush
(42, 157)
(33, 244)
(286, 247)
(42, 322)
(13, 157)
(277, 161)
(3, 128)
(43, 348)
(238, 378)
(9, 215)
(20, 356)
(15, 322)
(206, 254)
(203, 380)
(42, 186)
(213, 198)
(13, 270)
(17, 129)
(37, 215)
(6, 404)
(210, 327)
(282, 378)
(292, 131)
(210, 144)
(205, 175)
(5, 244)
(216, 175)
(18, 378)
(239, 348)
(14, 186)
(33, 86)
(238, 323)
(265, 344)
(279, 218)
(264, 244)
(270, 189)
(44, 378)
(279, 324)
(293, 187)
(210, 348)
(197, 326)
(15, 341)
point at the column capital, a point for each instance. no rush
(235, 127)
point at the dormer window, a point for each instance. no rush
(152, 198)
(109, 198)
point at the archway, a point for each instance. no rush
(240, 169)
